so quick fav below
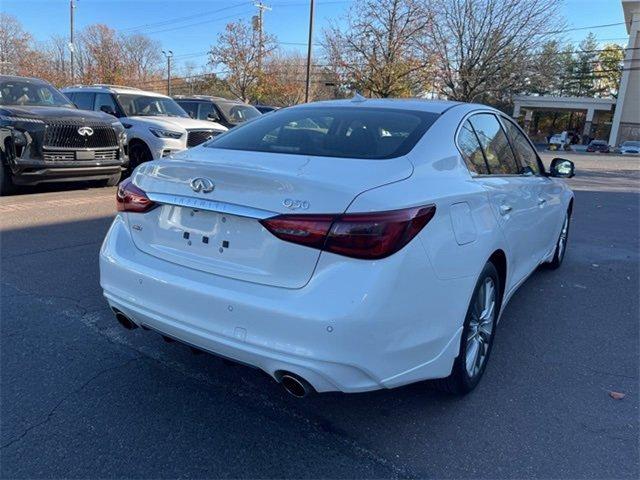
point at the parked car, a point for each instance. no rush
(156, 125)
(266, 108)
(229, 113)
(343, 245)
(45, 138)
(598, 146)
(630, 147)
(560, 141)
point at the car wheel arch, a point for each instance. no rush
(499, 260)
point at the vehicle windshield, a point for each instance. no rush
(631, 144)
(238, 112)
(347, 132)
(146, 106)
(29, 93)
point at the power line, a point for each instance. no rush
(182, 19)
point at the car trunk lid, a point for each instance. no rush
(219, 231)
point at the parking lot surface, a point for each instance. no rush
(82, 397)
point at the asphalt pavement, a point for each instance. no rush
(83, 398)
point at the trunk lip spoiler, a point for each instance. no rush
(211, 205)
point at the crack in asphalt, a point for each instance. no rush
(47, 250)
(52, 412)
(114, 336)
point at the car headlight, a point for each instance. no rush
(161, 133)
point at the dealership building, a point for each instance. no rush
(622, 113)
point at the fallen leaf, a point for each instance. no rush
(616, 395)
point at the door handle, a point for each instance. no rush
(541, 201)
(505, 209)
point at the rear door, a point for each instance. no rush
(512, 197)
(550, 214)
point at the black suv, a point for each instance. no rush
(45, 138)
(229, 113)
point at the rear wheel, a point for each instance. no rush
(561, 244)
(477, 335)
(6, 183)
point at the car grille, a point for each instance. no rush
(70, 155)
(59, 155)
(196, 137)
(65, 135)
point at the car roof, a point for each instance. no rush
(102, 88)
(18, 77)
(193, 98)
(425, 105)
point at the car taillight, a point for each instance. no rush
(132, 199)
(359, 235)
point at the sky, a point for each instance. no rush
(189, 27)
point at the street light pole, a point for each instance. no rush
(169, 55)
(309, 51)
(71, 45)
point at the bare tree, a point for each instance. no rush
(15, 45)
(238, 52)
(483, 47)
(381, 48)
(142, 58)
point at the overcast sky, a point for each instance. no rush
(201, 20)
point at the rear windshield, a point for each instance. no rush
(347, 132)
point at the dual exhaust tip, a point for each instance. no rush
(292, 383)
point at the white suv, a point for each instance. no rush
(156, 125)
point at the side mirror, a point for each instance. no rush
(562, 168)
(108, 109)
(213, 116)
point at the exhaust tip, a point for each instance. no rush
(296, 386)
(124, 320)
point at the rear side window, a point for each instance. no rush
(521, 146)
(105, 103)
(84, 101)
(346, 132)
(190, 107)
(495, 145)
(471, 150)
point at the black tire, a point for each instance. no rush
(6, 183)
(112, 181)
(138, 153)
(461, 381)
(561, 244)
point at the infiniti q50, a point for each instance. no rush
(347, 245)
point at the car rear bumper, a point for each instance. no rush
(347, 334)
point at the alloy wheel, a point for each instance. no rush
(562, 241)
(480, 327)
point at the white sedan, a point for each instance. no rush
(345, 246)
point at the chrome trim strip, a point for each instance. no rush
(210, 205)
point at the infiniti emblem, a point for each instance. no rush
(202, 184)
(85, 131)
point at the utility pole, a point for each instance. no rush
(169, 55)
(72, 47)
(309, 54)
(261, 9)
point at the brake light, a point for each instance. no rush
(358, 235)
(132, 199)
